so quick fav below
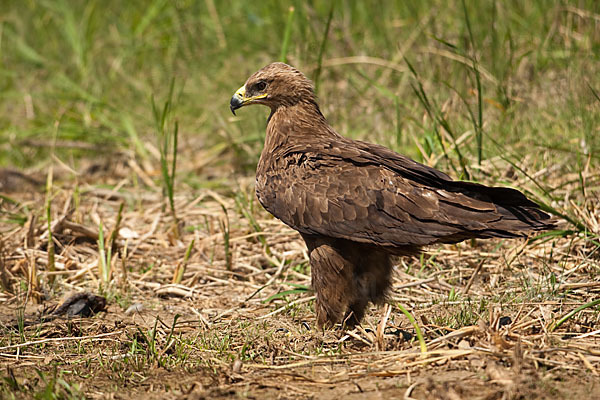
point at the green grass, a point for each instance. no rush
(91, 68)
(46, 386)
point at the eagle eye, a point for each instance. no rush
(260, 86)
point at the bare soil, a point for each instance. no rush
(240, 322)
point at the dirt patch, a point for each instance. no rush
(239, 322)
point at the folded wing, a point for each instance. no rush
(374, 195)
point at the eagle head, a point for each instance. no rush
(275, 85)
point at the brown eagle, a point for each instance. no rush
(357, 204)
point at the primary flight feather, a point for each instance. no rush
(358, 204)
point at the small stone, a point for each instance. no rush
(134, 308)
(127, 233)
(237, 366)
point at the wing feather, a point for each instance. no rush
(359, 195)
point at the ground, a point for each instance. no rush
(240, 322)
(208, 296)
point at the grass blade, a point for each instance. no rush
(439, 120)
(594, 92)
(572, 313)
(284, 294)
(181, 267)
(317, 76)
(286, 35)
(102, 264)
(412, 320)
(473, 57)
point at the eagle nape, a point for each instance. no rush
(356, 204)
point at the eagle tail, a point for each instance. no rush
(514, 216)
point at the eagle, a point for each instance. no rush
(357, 205)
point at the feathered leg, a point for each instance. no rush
(331, 276)
(371, 282)
(346, 276)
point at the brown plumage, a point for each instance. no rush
(357, 204)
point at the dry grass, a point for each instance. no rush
(240, 322)
(517, 87)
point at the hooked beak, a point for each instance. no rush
(239, 99)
